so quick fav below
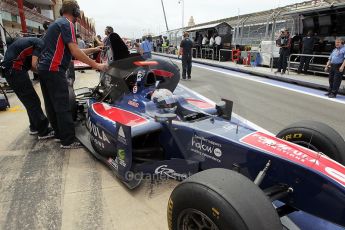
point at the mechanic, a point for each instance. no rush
(284, 42)
(186, 52)
(20, 57)
(335, 66)
(60, 45)
(146, 47)
(307, 48)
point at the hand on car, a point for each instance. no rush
(326, 68)
(341, 69)
(102, 67)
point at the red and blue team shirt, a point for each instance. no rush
(19, 54)
(56, 55)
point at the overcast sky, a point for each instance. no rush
(133, 18)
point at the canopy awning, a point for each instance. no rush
(206, 26)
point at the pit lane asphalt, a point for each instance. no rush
(44, 187)
(270, 104)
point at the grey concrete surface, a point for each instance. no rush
(43, 187)
(309, 80)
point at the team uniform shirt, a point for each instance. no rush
(19, 54)
(211, 41)
(146, 46)
(56, 55)
(187, 46)
(338, 55)
(218, 40)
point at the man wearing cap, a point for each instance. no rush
(60, 46)
(335, 66)
(186, 52)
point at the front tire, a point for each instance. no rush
(316, 136)
(220, 199)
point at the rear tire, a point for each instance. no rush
(316, 136)
(220, 199)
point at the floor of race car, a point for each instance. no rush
(44, 187)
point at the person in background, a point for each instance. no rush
(81, 43)
(335, 66)
(218, 41)
(186, 52)
(146, 47)
(60, 46)
(20, 57)
(307, 48)
(211, 44)
(204, 40)
(284, 42)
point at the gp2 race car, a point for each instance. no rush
(231, 172)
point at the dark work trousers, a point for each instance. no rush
(283, 58)
(335, 78)
(56, 98)
(22, 86)
(186, 65)
(304, 62)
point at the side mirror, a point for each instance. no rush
(165, 117)
(224, 108)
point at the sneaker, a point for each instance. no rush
(332, 95)
(33, 132)
(283, 73)
(50, 134)
(327, 94)
(189, 78)
(74, 145)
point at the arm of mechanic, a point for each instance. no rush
(34, 63)
(89, 51)
(341, 69)
(81, 56)
(328, 64)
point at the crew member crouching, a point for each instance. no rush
(20, 57)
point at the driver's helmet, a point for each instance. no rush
(165, 100)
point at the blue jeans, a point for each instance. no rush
(147, 55)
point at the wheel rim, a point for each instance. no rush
(192, 219)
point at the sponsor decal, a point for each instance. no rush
(95, 131)
(163, 170)
(121, 154)
(133, 103)
(121, 136)
(206, 148)
(113, 163)
(298, 154)
(135, 89)
(140, 75)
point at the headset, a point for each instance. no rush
(75, 11)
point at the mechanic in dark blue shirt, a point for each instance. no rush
(307, 48)
(20, 57)
(60, 45)
(186, 51)
(336, 64)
